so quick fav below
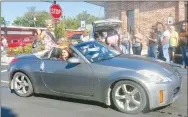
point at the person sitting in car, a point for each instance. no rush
(65, 54)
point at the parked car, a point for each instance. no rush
(101, 26)
(28, 40)
(75, 39)
(97, 72)
(14, 43)
(20, 43)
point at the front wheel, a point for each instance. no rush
(22, 85)
(129, 97)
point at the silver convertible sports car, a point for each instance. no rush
(99, 73)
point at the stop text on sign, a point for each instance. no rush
(55, 11)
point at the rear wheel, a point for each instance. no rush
(129, 97)
(22, 85)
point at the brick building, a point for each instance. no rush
(144, 14)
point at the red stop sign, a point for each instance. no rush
(56, 11)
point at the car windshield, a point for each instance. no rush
(96, 52)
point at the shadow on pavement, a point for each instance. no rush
(72, 100)
(5, 112)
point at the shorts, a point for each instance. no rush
(172, 49)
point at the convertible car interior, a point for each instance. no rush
(56, 54)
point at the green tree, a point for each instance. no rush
(21, 21)
(41, 17)
(74, 23)
(60, 30)
(2, 20)
(28, 19)
(87, 17)
(71, 23)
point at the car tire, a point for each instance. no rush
(22, 85)
(139, 103)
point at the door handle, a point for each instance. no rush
(42, 66)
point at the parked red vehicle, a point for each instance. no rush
(19, 36)
(14, 43)
(20, 43)
(28, 40)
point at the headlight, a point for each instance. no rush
(153, 76)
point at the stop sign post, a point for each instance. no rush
(56, 11)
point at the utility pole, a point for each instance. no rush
(55, 23)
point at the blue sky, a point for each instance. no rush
(10, 10)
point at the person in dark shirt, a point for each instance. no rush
(153, 43)
(183, 44)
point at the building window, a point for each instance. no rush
(130, 21)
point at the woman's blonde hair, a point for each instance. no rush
(48, 22)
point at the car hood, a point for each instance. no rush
(133, 62)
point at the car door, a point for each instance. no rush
(62, 77)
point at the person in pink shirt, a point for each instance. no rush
(113, 40)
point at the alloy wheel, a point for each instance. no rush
(128, 97)
(22, 85)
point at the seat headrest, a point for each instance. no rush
(57, 52)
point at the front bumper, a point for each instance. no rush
(171, 91)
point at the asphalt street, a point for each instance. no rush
(49, 106)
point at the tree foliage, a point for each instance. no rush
(74, 23)
(70, 22)
(2, 20)
(86, 17)
(60, 31)
(28, 19)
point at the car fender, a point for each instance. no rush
(123, 75)
(27, 71)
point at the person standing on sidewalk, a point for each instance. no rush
(137, 42)
(174, 38)
(5, 45)
(160, 30)
(153, 43)
(165, 42)
(184, 44)
(112, 39)
(125, 42)
(85, 37)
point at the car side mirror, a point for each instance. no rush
(74, 60)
